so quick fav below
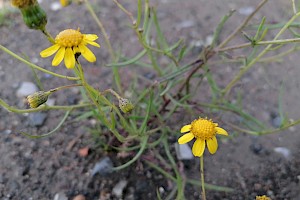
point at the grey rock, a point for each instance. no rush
(256, 148)
(47, 76)
(6, 132)
(25, 89)
(60, 196)
(50, 102)
(283, 151)
(55, 6)
(103, 167)
(37, 119)
(14, 187)
(246, 10)
(277, 121)
(183, 152)
(2, 179)
(185, 24)
(119, 187)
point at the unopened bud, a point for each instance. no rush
(65, 3)
(33, 15)
(125, 105)
(38, 98)
(23, 3)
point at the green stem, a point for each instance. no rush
(64, 87)
(48, 35)
(41, 108)
(35, 66)
(108, 44)
(202, 177)
(179, 180)
(144, 141)
(248, 44)
(255, 60)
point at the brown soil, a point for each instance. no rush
(39, 169)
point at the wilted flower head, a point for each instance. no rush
(38, 98)
(125, 105)
(68, 43)
(204, 131)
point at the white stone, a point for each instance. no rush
(119, 187)
(25, 89)
(283, 151)
(183, 152)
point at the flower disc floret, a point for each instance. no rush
(204, 131)
(264, 197)
(69, 38)
(68, 43)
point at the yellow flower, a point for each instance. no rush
(64, 3)
(204, 131)
(68, 43)
(264, 197)
(23, 3)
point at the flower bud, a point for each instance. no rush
(38, 98)
(34, 17)
(64, 3)
(125, 105)
(23, 3)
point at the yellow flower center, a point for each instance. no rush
(264, 197)
(23, 3)
(203, 129)
(69, 38)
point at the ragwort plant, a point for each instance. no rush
(145, 119)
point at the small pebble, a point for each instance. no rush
(183, 152)
(37, 119)
(6, 132)
(246, 10)
(283, 151)
(47, 76)
(55, 6)
(119, 187)
(50, 102)
(79, 197)
(25, 89)
(185, 24)
(103, 167)
(256, 148)
(83, 152)
(276, 120)
(60, 196)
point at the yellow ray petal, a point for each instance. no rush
(49, 51)
(185, 138)
(87, 54)
(69, 58)
(76, 50)
(221, 131)
(90, 37)
(58, 57)
(212, 145)
(198, 147)
(93, 43)
(185, 128)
